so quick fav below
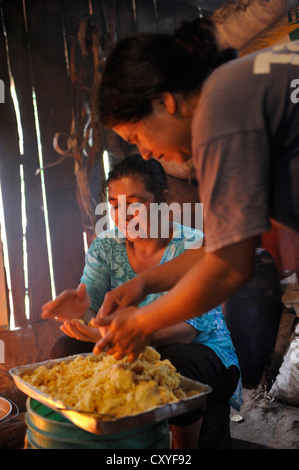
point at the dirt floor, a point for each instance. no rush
(266, 424)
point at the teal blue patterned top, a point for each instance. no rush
(107, 266)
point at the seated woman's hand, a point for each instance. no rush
(72, 303)
(77, 329)
(125, 336)
(128, 294)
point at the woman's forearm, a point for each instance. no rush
(180, 333)
(160, 278)
(163, 277)
(88, 315)
(209, 282)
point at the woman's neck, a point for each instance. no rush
(148, 246)
(146, 252)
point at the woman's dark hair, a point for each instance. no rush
(151, 172)
(143, 66)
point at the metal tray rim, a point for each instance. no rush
(94, 422)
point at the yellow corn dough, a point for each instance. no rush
(102, 384)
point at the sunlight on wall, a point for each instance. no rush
(14, 98)
(25, 254)
(44, 195)
(6, 261)
(106, 170)
(23, 200)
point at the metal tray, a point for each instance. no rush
(5, 408)
(101, 424)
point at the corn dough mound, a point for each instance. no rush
(118, 388)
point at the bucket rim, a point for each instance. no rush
(66, 422)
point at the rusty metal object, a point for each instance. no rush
(239, 22)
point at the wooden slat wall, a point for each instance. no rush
(3, 294)
(43, 67)
(52, 87)
(36, 47)
(10, 183)
(39, 279)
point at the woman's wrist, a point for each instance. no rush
(180, 333)
(88, 315)
(145, 285)
(143, 319)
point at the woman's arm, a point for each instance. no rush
(88, 315)
(83, 302)
(163, 277)
(180, 333)
(209, 282)
(82, 331)
(72, 303)
(160, 278)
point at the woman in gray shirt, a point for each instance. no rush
(181, 96)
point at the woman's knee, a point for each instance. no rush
(66, 346)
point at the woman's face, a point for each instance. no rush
(161, 134)
(130, 203)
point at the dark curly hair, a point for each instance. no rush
(143, 66)
(151, 171)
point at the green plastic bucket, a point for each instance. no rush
(47, 429)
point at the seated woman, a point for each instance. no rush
(200, 348)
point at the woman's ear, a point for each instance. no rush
(167, 101)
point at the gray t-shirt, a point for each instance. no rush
(246, 145)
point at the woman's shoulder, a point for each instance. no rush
(107, 240)
(191, 237)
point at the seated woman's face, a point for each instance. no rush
(130, 203)
(161, 134)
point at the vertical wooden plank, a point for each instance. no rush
(166, 16)
(73, 12)
(85, 27)
(146, 15)
(38, 270)
(124, 19)
(52, 86)
(4, 312)
(10, 184)
(103, 11)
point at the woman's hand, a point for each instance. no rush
(126, 335)
(72, 303)
(132, 329)
(128, 294)
(78, 330)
